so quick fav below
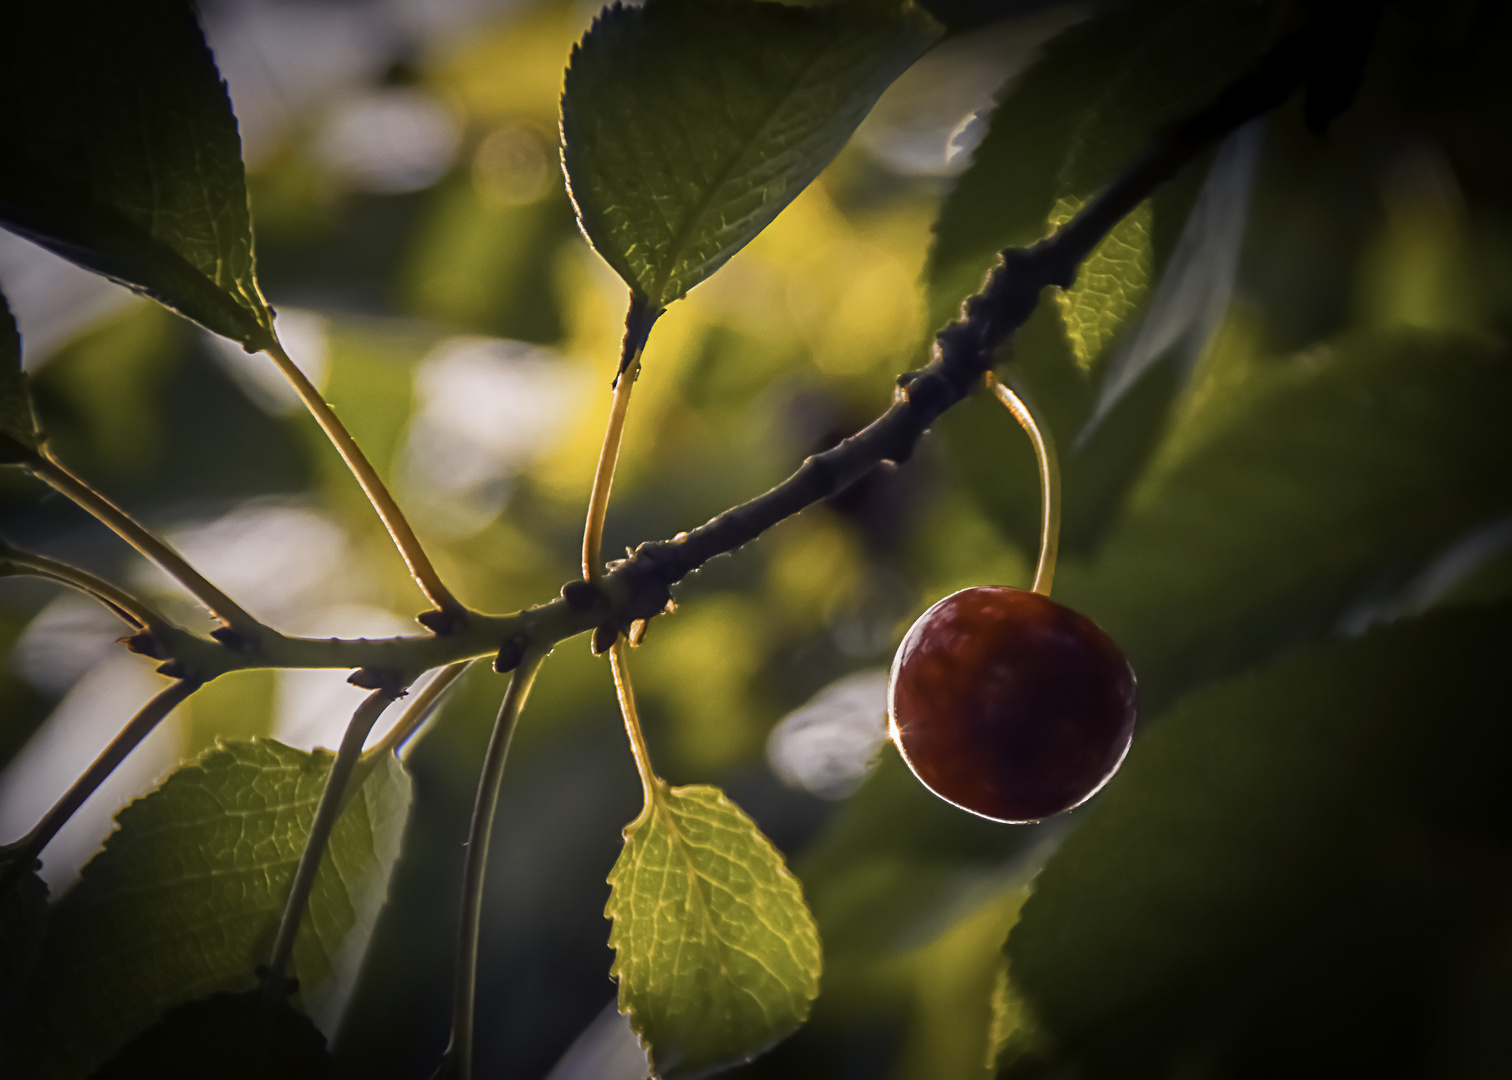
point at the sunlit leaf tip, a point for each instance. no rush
(716, 953)
(687, 126)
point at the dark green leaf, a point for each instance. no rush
(1293, 491)
(119, 151)
(241, 1036)
(687, 125)
(1185, 54)
(1064, 131)
(185, 898)
(23, 924)
(716, 954)
(19, 437)
(1294, 874)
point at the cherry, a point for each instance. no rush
(1010, 705)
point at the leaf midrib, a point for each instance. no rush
(726, 173)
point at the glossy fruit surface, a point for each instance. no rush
(1010, 705)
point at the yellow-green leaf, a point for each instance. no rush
(185, 897)
(716, 954)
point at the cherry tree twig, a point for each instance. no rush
(639, 587)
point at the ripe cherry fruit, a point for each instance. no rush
(1009, 705)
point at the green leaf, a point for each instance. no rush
(687, 125)
(716, 955)
(1063, 131)
(1292, 491)
(239, 1036)
(119, 151)
(1293, 872)
(23, 925)
(1186, 53)
(19, 437)
(186, 895)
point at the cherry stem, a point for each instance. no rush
(459, 1053)
(137, 728)
(638, 322)
(420, 566)
(1049, 475)
(52, 472)
(327, 811)
(650, 782)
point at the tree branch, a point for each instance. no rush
(639, 587)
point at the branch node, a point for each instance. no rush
(378, 678)
(443, 622)
(604, 638)
(174, 669)
(234, 640)
(510, 655)
(582, 595)
(145, 644)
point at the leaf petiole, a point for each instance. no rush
(1049, 474)
(112, 596)
(137, 728)
(332, 802)
(413, 723)
(52, 472)
(372, 485)
(651, 784)
(458, 1063)
(638, 322)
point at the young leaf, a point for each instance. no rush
(186, 895)
(1296, 866)
(119, 151)
(241, 1036)
(716, 954)
(19, 437)
(688, 125)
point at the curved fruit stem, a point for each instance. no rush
(465, 978)
(137, 728)
(1049, 473)
(638, 322)
(52, 472)
(393, 518)
(332, 801)
(650, 782)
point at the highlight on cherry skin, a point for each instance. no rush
(1010, 705)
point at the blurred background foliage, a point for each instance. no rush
(1331, 458)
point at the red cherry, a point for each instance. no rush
(1009, 705)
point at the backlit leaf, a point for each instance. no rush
(716, 954)
(1293, 871)
(688, 125)
(186, 895)
(19, 437)
(1185, 54)
(119, 151)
